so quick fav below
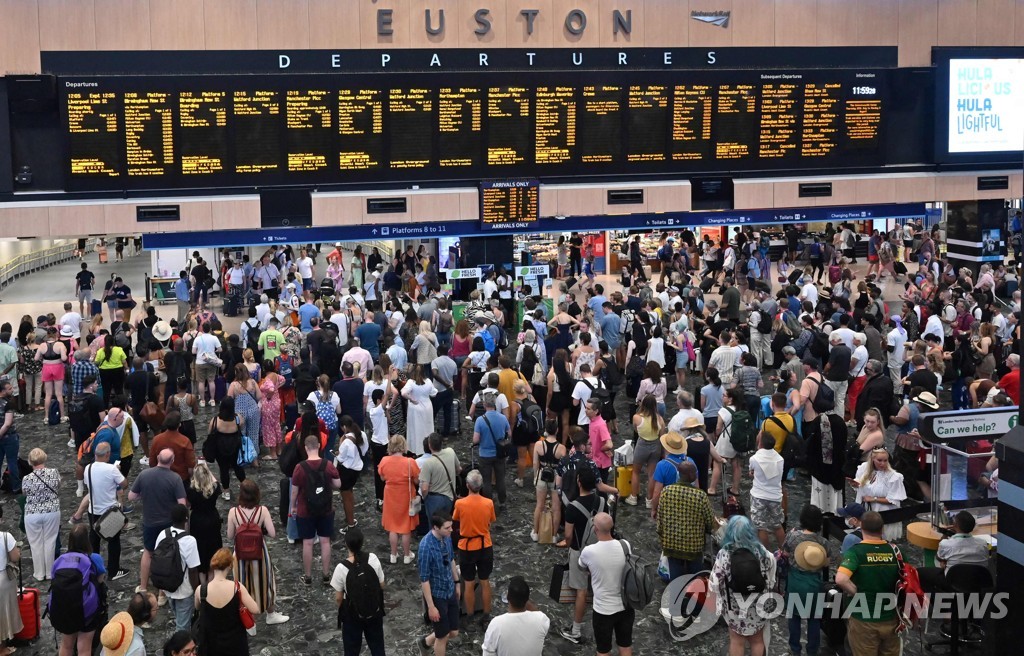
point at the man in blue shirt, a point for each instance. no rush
(440, 583)
(611, 326)
(369, 336)
(107, 432)
(487, 432)
(306, 312)
(597, 300)
(183, 295)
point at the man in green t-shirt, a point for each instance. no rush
(869, 572)
(271, 341)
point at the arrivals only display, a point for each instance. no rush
(169, 132)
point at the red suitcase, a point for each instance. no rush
(28, 605)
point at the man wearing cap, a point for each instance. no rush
(666, 472)
(858, 364)
(852, 513)
(684, 519)
(1010, 383)
(837, 371)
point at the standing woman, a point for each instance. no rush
(42, 513)
(112, 363)
(54, 355)
(354, 627)
(246, 394)
(328, 406)
(270, 410)
(31, 370)
(583, 354)
(251, 366)
(358, 267)
(108, 290)
(220, 631)
(653, 384)
(649, 426)
(562, 322)
(187, 406)
(562, 257)
(984, 350)
(473, 370)
(462, 343)
(401, 482)
(746, 624)
(336, 272)
(560, 386)
(255, 575)
(420, 413)
(880, 487)
(732, 400)
(425, 345)
(711, 400)
(547, 453)
(351, 449)
(204, 521)
(396, 379)
(223, 442)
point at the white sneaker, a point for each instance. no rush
(648, 503)
(409, 558)
(144, 461)
(161, 599)
(71, 443)
(394, 558)
(631, 500)
(202, 404)
(276, 618)
(534, 536)
(518, 482)
(79, 493)
(226, 496)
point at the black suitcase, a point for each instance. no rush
(900, 268)
(706, 284)
(96, 307)
(231, 306)
(570, 282)
(795, 277)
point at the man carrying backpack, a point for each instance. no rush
(160, 489)
(358, 584)
(605, 560)
(870, 568)
(580, 533)
(314, 481)
(176, 556)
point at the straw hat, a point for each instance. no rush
(117, 635)
(927, 399)
(674, 444)
(811, 556)
(692, 422)
(161, 331)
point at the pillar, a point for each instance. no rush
(974, 233)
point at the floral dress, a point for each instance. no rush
(396, 416)
(270, 412)
(249, 409)
(743, 619)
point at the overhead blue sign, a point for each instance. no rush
(656, 221)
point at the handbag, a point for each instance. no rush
(153, 415)
(245, 615)
(110, 524)
(246, 451)
(415, 502)
(501, 445)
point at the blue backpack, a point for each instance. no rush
(74, 595)
(284, 367)
(816, 249)
(325, 412)
(488, 340)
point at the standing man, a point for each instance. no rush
(9, 366)
(837, 371)
(488, 430)
(580, 513)
(106, 485)
(519, 631)
(767, 468)
(439, 580)
(85, 283)
(475, 515)
(730, 301)
(858, 372)
(869, 569)
(306, 269)
(182, 295)
(313, 483)
(160, 489)
(444, 371)
(437, 477)
(202, 276)
(636, 259)
(267, 278)
(575, 255)
(183, 599)
(605, 560)
(685, 517)
(182, 448)
(206, 349)
(896, 342)
(10, 442)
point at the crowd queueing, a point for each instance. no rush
(369, 373)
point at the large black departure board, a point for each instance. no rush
(159, 132)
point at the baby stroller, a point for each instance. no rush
(326, 292)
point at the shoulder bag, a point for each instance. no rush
(415, 502)
(108, 525)
(500, 444)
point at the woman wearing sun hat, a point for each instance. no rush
(808, 554)
(700, 449)
(666, 472)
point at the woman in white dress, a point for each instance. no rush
(880, 487)
(10, 616)
(420, 413)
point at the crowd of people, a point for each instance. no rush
(715, 384)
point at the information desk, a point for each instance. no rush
(925, 536)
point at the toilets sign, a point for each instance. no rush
(988, 423)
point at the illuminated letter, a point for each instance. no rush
(622, 59)
(577, 58)
(435, 60)
(667, 57)
(284, 61)
(335, 61)
(711, 57)
(531, 56)
(483, 59)
(384, 59)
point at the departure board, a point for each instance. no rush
(509, 204)
(158, 132)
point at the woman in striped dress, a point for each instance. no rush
(246, 393)
(256, 575)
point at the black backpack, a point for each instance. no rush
(570, 486)
(602, 394)
(825, 400)
(611, 374)
(364, 598)
(166, 570)
(318, 489)
(764, 326)
(745, 576)
(533, 419)
(252, 337)
(819, 345)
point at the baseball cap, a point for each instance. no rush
(854, 510)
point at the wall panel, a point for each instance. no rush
(957, 187)
(123, 25)
(418, 36)
(995, 22)
(282, 24)
(1018, 24)
(331, 209)
(957, 22)
(666, 23)
(233, 214)
(796, 22)
(878, 23)
(918, 31)
(580, 200)
(706, 34)
(70, 219)
(230, 24)
(748, 195)
(636, 36)
(177, 24)
(668, 198)
(19, 36)
(334, 25)
(591, 37)
(915, 188)
(25, 222)
(787, 194)
(67, 25)
(844, 192)
(837, 21)
(881, 189)
(752, 23)
(469, 206)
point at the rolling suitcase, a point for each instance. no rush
(96, 307)
(570, 282)
(28, 606)
(900, 268)
(706, 284)
(795, 276)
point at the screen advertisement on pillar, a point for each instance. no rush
(979, 106)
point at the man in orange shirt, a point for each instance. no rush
(507, 377)
(475, 514)
(171, 438)
(1010, 383)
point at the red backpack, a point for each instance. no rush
(248, 536)
(911, 601)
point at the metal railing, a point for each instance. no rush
(28, 262)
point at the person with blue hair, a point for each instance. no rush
(742, 568)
